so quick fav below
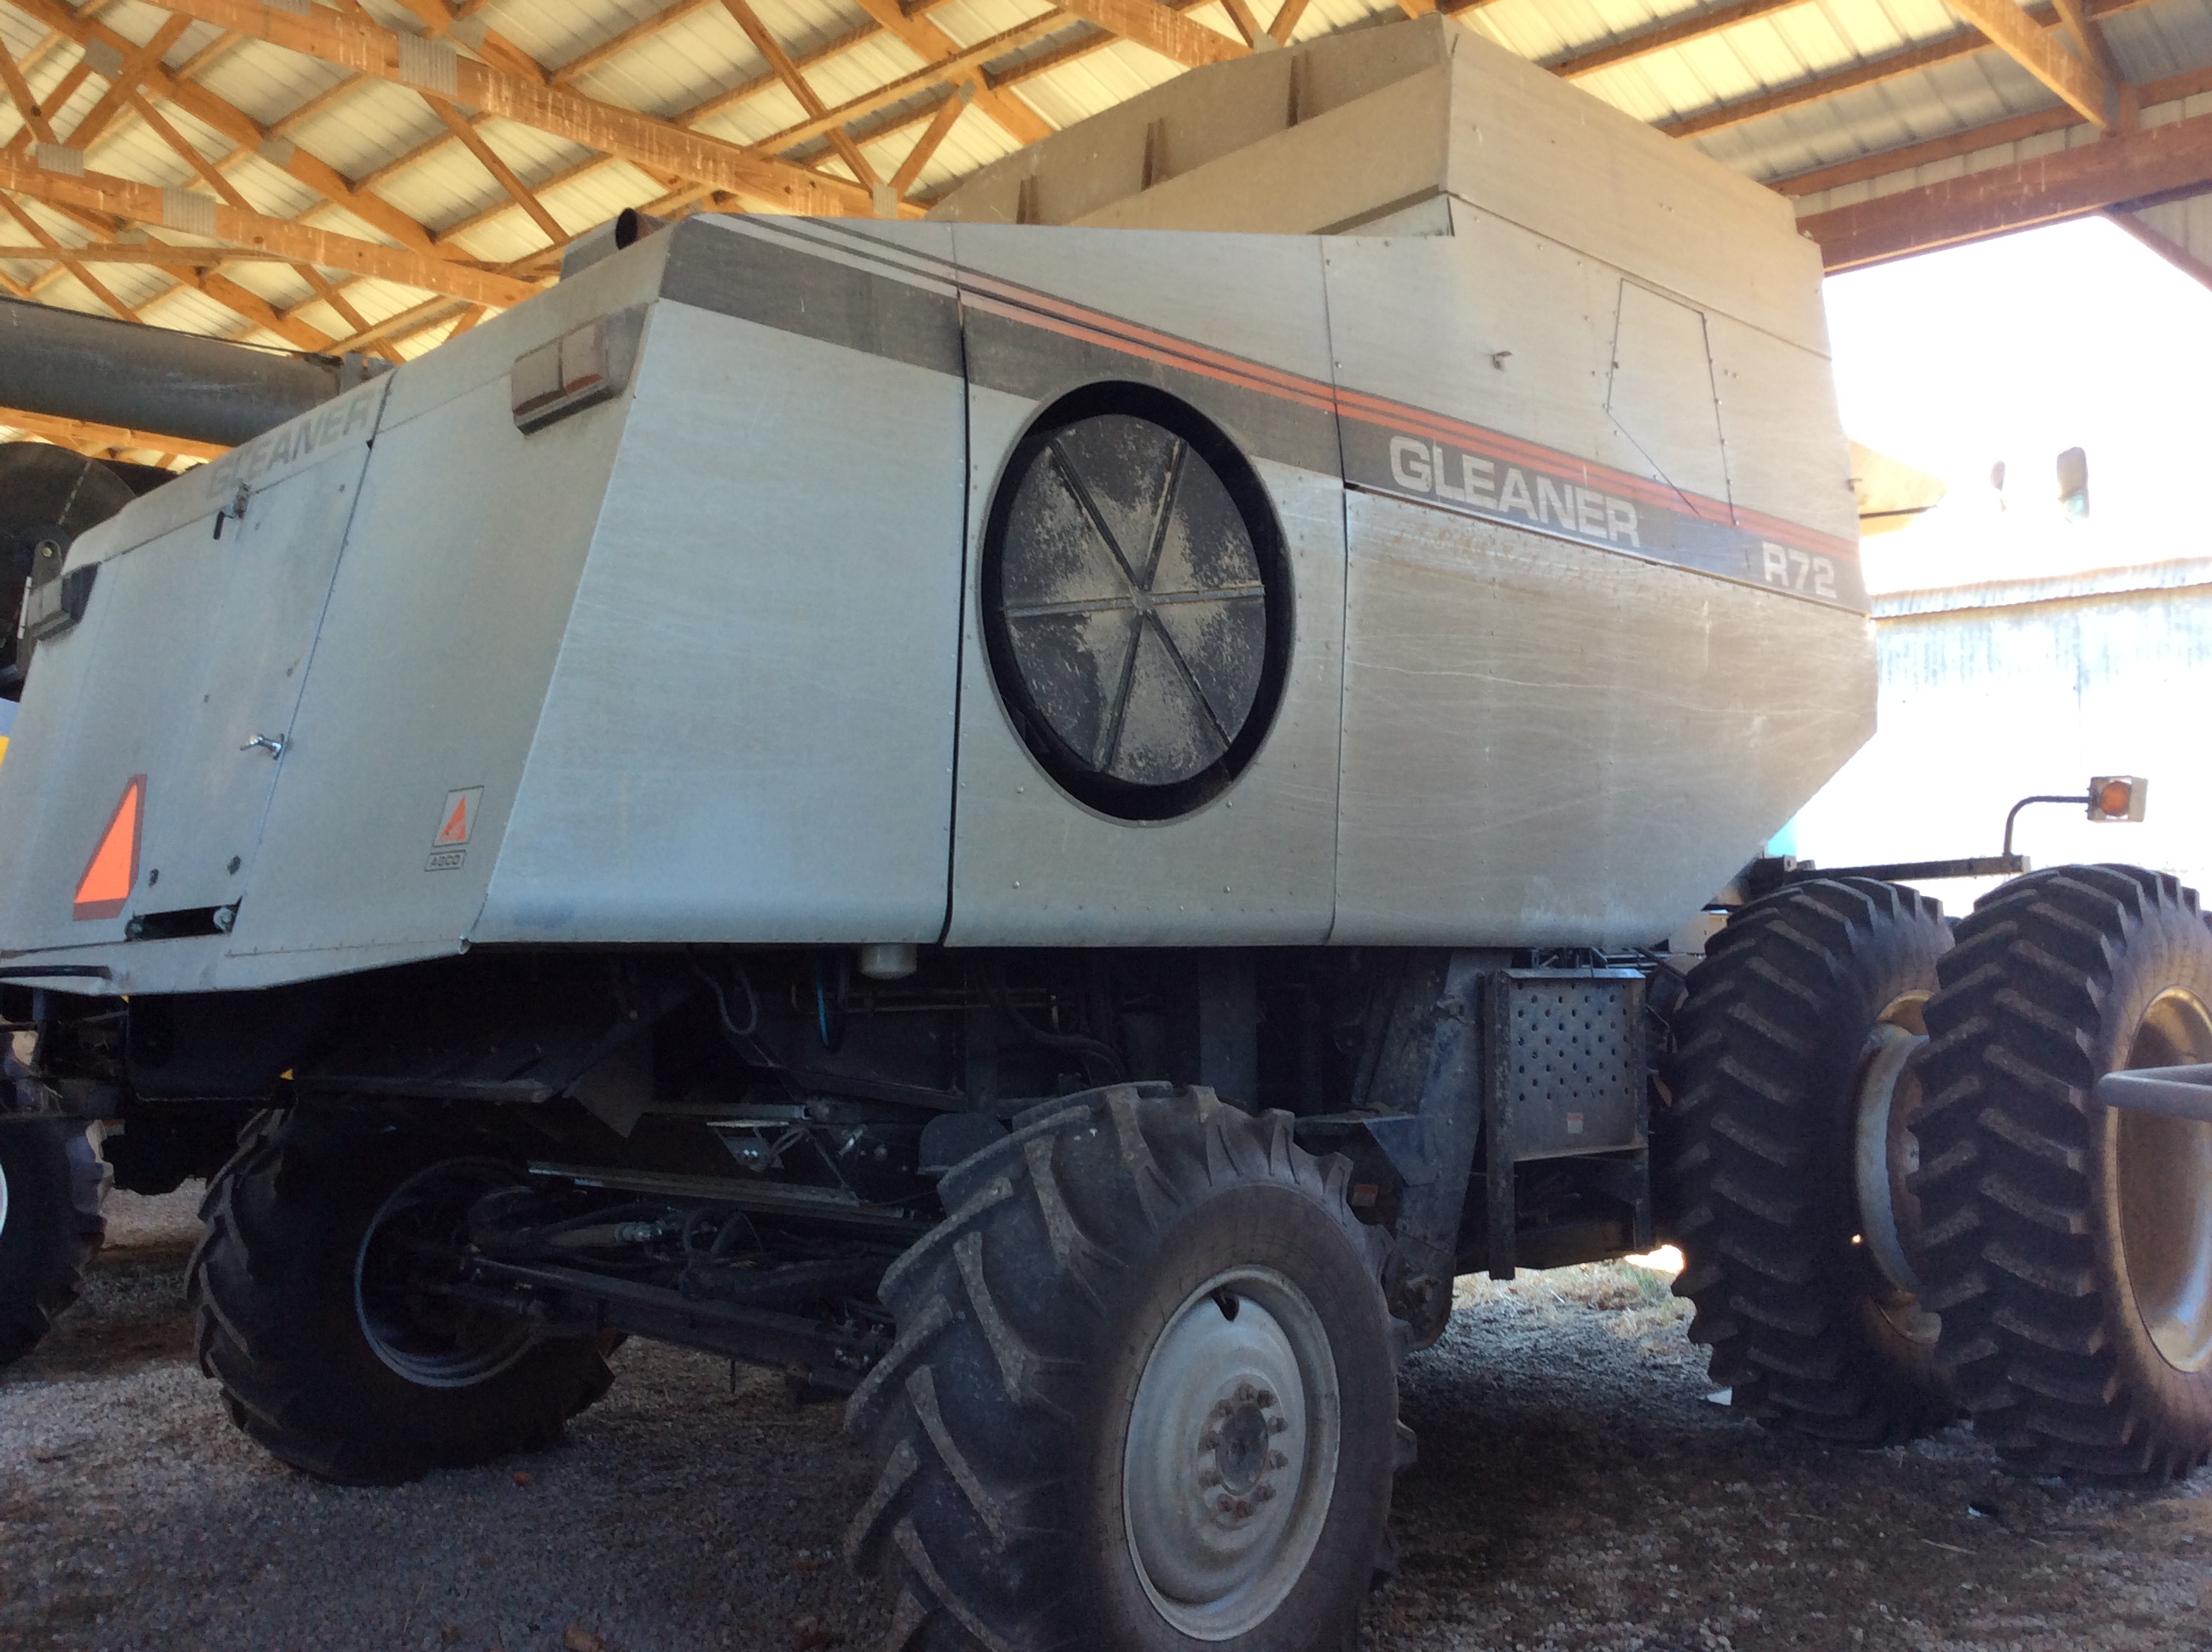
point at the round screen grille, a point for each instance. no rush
(1134, 606)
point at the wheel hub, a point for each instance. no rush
(1231, 1454)
(2163, 1177)
(1886, 1152)
(430, 1340)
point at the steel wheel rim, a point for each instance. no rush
(1885, 1154)
(1229, 1464)
(455, 1346)
(2163, 1172)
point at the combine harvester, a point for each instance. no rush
(1048, 820)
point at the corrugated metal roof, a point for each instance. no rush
(693, 61)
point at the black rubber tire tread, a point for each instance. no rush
(2021, 1236)
(1757, 1154)
(57, 1190)
(990, 1522)
(270, 1284)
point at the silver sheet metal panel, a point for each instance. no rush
(750, 729)
(793, 581)
(1551, 743)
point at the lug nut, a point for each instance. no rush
(1277, 1460)
(1262, 1493)
(1245, 1394)
(1210, 1440)
(1243, 1508)
(1209, 1477)
(1226, 1503)
(1264, 1399)
(1277, 1424)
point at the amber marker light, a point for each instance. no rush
(2117, 796)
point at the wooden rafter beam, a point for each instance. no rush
(1891, 66)
(2089, 41)
(1287, 17)
(933, 45)
(2164, 246)
(939, 128)
(2012, 130)
(2032, 47)
(419, 317)
(2124, 167)
(1149, 24)
(165, 254)
(491, 160)
(145, 204)
(234, 124)
(779, 62)
(657, 145)
(614, 45)
(83, 435)
(26, 106)
(1666, 36)
(956, 69)
(1096, 39)
(962, 68)
(62, 256)
(112, 102)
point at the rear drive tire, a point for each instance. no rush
(2069, 1246)
(1142, 1396)
(325, 1357)
(1783, 1150)
(53, 1184)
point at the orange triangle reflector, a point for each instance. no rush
(456, 828)
(113, 872)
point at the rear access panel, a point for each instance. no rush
(195, 642)
(444, 623)
(749, 735)
(202, 826)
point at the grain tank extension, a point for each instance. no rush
(1047, 820)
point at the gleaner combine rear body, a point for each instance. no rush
(1051, 828)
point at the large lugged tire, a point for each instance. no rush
(1143, 1394)
(324, 1357)
(1807, 999)
(2068, 1247)
(52, 1185)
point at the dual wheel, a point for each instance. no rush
(1898, 1196)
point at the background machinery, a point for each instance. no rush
(1047, 822)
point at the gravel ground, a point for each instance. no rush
(1576, 1490)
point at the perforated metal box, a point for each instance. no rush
(1568, 1060)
